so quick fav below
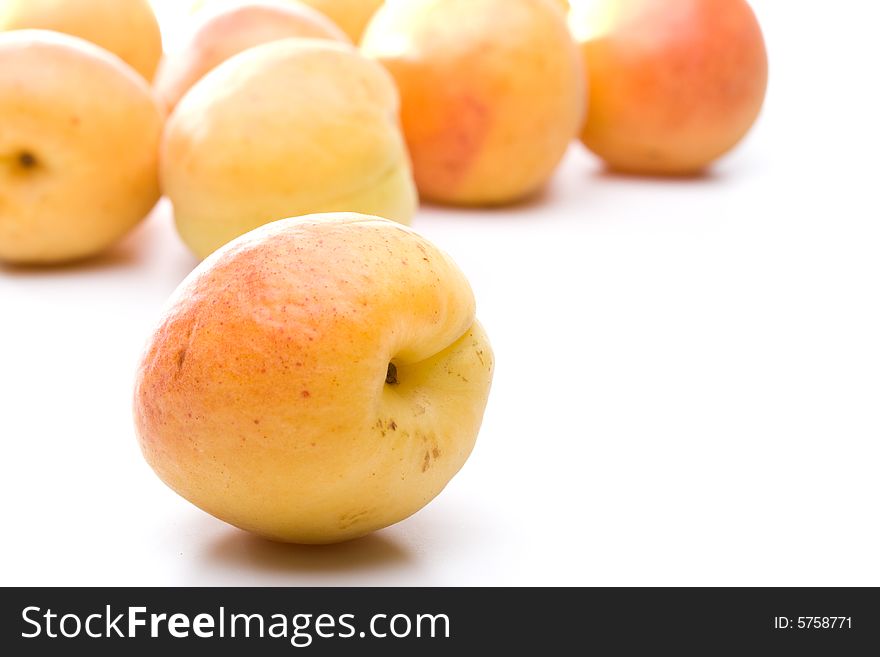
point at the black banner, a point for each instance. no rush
(438, 621)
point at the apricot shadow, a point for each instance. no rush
(131, 253)
(122, 256)
(241, 551)
(525, 211)
(532, 200)
(706, 176)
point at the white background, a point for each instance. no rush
(686, 393)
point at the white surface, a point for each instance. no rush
(687, 385)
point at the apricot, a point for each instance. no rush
(492, 93)
(127, 28)
(315, 380)
(79, 142)
(674, 84)
(350, 15)
(231, 30)
(288, 128)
